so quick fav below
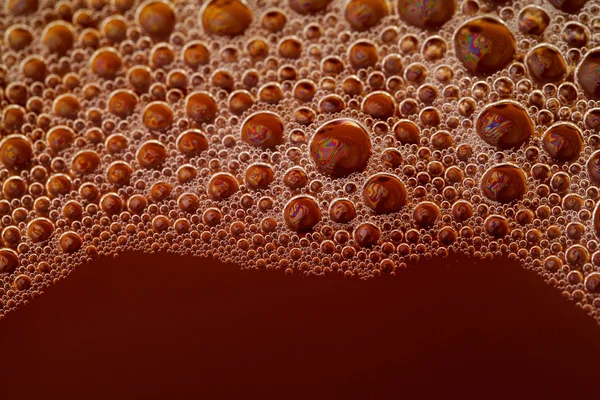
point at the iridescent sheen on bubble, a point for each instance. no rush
(426, 13)
(484, 45)
(505, 125)
(340, 147)
(588, 74)
(563, 141)
(593, 167)
(384, 193)
(545, 64)
(301, 213)
(263, 129)
(504, 183)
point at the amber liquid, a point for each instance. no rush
(161, 326)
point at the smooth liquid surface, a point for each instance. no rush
(455, 328)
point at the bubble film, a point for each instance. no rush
(313, 137)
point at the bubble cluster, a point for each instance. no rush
(308, 136)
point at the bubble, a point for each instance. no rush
(592, 282)
(151, 154)
(340, 147)
(195, 54)
(367, 234)
(505, 125)
(563, 141)
(496, 226)
(545, 64)
(58, 185)
(13, 117)
(270, 93)
(533, 20)
(34, 67)
(18, 37)
(157, 116)
(577, 256)
(114, 29)
(70, 242)
(160, 191)
(426, 214)
(136, 204)
(161, 55)
(569, 6)
(111, 204)
(308, 6)
(588, 74)
(365, 14)
(9, 261)
(263, 129)
(58, 37)
(331, 104)
(157, 19)
(15, 151)
(40, 230)
(106, 63)
(274, 20)
(384, 193)
(119, 173)
(201, 107)
(434, 48)
(430, 14)
(122, 103)
(22, 282)
(222, 186)
(66, 106)
(22, 7)
(504, 183)
(259, 176)
(379, 104)
(484, 45)
(342, 211)
(226, 17)
(301, 213)
(575, 34)
(295, 178)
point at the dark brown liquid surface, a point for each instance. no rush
(161, 326)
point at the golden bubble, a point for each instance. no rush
(157, 116)
(201, 107)
(157, 19)
(259, 176)
(195, 54)
(111, 204)
(226, 17)
(384, 193)
(151, 154)
(106, 63)
(15, 151)
(119, 173)
(85, 162)
(340, 148)
(365, 14)
(58, 37)
(40, 230)
(301, 213)
(222, 186)
(263, 129)
(122, 102)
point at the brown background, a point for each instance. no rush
(168, 327)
